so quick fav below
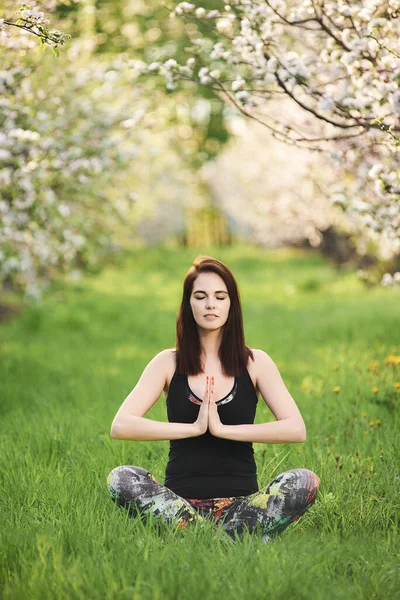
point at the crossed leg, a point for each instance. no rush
(275, 507)
(135, 489)
(270, 510)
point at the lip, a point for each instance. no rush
(210, 316)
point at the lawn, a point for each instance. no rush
(67, 365)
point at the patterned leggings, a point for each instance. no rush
(269, 510)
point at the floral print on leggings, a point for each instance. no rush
(269, 510)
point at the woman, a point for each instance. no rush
(211, 471)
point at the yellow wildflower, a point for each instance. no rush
(374, 389)
(397, 385)
(392, 360)
(336, 388)
(373, 366)
(378, 422)
(335, 367)
(364, 414)
(371, 423)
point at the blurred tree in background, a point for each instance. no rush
(323, 76)
(87, 152)
(95, 151)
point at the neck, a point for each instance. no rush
(210, 342)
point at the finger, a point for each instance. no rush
(207, 394)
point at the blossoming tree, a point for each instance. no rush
(78, 141)
(338, 62)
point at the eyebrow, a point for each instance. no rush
(203, 292)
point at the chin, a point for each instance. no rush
(211, 326)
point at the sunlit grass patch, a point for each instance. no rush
(68, 365)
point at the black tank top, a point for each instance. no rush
(206, 466)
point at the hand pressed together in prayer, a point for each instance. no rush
(208, 417)
(214, 422)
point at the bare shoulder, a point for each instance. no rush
(168, 357)
(164, 362)
(254, 367)
(261, 357)
(262, 361)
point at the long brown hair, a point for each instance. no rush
(233, 352)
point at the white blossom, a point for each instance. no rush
(184, 7)
(154, 66)
(395, 101)
(237, 84)
(170, 63)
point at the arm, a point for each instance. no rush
(129, 423)
(289, 426)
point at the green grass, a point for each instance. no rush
(66, 367)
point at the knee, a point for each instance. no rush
(307, 485)
(300, 476)
(125, 478)
(301, 484)
(307, 479)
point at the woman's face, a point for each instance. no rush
(210, 296)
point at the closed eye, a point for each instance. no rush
(202, 298)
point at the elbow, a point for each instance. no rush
(114, 433)
(301, 434)
(303, 437)
(123, 427)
